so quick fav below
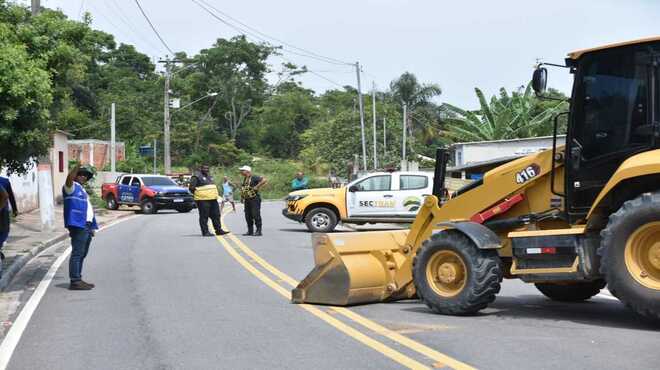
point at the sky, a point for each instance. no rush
(459, 45)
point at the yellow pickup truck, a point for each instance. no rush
(382, 197)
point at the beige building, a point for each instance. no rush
(94, 152)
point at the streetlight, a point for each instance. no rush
(211, 94)
(167, 163)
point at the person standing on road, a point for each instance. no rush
(4, 212)
(79, 219)
(4, 218)
(252, 200)
(227, 194)
(206, 196)
(299, 182)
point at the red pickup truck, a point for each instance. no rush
(150, 192)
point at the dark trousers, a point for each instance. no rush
(209, 208)
(253, 213)
(80, 241)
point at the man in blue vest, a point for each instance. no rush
(4, 213)
(79, 219)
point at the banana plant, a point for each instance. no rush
(507, 116)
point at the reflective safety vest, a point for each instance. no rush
(75, 208)
(206, 192)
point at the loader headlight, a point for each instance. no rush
(295, 197)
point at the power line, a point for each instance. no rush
(82, 5)
(256, 34)
(202, 3)
(125, 20)
(316, 73)
(152, 27)
(274, 38)
(118, 30)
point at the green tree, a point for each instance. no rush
(408, 90)
(282, 119)
(418, 97)
(25, 96)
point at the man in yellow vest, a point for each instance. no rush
(206, 196)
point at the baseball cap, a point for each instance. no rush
(84, 171)
(245, 168)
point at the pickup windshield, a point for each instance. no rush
(157, 180)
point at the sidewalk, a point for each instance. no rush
(26, 239)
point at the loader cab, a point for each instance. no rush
(613, 116)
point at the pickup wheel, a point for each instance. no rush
(321, 220)
(148, 206)
(111, 202)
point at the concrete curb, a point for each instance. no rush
(19, 262)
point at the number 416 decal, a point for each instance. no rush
(528, 173)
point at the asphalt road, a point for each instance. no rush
(167, 298)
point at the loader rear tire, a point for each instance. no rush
(454, 277)
(577, 292)
(630, 254)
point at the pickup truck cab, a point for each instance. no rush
(150, 192)
(387, 197)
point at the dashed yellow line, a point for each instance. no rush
(369, 324)
(353, 333)
(439, 357)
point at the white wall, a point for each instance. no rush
(26, 189)
(60, 144)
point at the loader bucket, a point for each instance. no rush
(353, 268)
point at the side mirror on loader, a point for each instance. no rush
(539, 80)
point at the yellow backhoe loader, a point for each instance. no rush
(571, 220)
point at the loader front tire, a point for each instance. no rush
(571, 292)
(630, 254)
(454, 277)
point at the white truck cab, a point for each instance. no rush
(392, 196)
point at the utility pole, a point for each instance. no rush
(384, 139)
(113, 147)
(373, 103)
(364, 143)
(155, 156)
(167, 162)
(403, 145)
(166, 120)
(36, 7)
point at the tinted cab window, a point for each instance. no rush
(376, 183)
(412, 182)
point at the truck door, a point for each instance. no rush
(411, 193)
(136, 187)
(372, 196)
(124, 190)
(610, 121)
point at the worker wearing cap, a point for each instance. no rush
(251, 200)
(79, 219)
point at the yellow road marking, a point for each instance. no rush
(369, 324)
(353, 333)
